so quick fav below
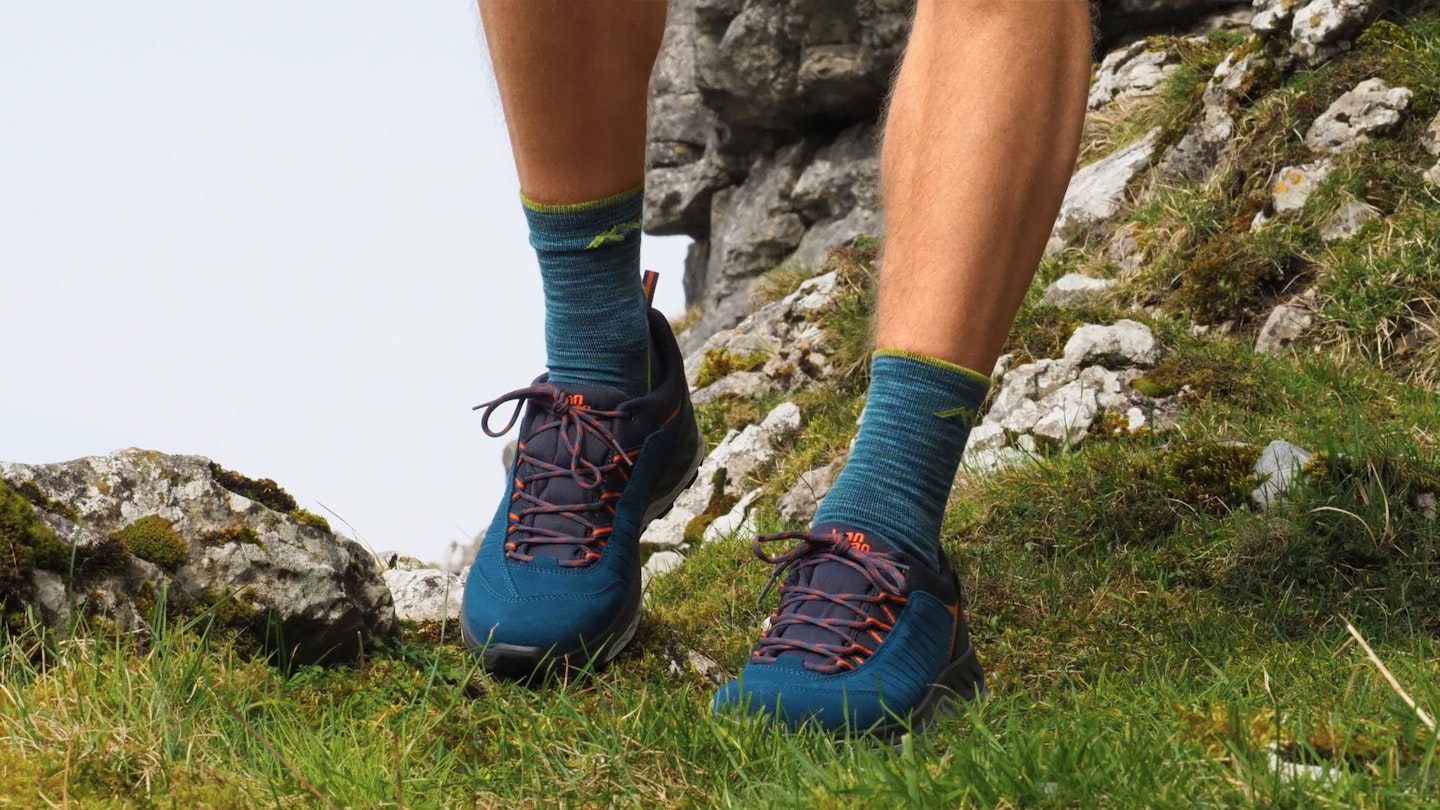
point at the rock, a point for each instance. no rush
(1278, 467)
(400, 561)
(736, 521)
(978, 463)
(683, 659)
(1323, 28)
(1075, 289)
(1195, 155)
(1294, 185)
(1097, 191)
(181, 525)
(1347, 221)
(425, 595)
(1134, 71)
(1371, 108)
(1123, 343)
(799, 505)
(987, 436)
(753, 228)
(782, 335)
(1068, 414)
(1286, 324)
(739, 455)
(1427, 502)
(660, 564)
(1273, 16)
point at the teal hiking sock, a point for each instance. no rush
(596, 331)
(918, 416)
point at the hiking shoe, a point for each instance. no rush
(866, 639)
(557, 577)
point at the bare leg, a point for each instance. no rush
(980, 142)
(574, 77)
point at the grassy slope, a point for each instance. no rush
(1149, 637)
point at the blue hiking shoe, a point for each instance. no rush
(866, 639)
(557, 578)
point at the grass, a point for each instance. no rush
(1151, 638)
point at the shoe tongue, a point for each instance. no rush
(834, 577)
(548, 446)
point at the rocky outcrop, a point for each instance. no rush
(1061, 401)
(763, 143)
(137, 533)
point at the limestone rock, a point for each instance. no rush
(1273, 16)
(425, 595)
(782, 337)
(1322, 28)
(660, 564)
(1123, 343)
(1278, 467)
(322, 592)
(734, 522)
(1075, 289)
(1286, 324)
(1294, 185)
(1134, 71)
(1207, 137)
(799, 505)
(1097, 191)
(400, 561)
(739, 455)
(1347, 221)
(1371, 108)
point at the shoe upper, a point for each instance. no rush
(861, 633)
(560, 559)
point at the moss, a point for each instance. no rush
(307, 518)
(153, 538)
(1232, 274)
(720, 363)
(720, 504)
(20, 531)
(263, 491)
(239, 534)
(32, 493)
(1212, 477)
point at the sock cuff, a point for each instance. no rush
(934, 362)
(614, 221)
(636, 190)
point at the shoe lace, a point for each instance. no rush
(866, 617)
(572, 424)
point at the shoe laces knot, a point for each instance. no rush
(864, 618)
(572, 423)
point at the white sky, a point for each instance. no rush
(282, 235)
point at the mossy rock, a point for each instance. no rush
(720, 363)
(307, 518)
(263, 491)
(25, 543)
(153, 539)
(239, 534)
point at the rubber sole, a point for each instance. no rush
(963, 681)
(527, 663)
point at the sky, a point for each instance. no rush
(285, 236)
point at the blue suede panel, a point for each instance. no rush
(917, 417)
(596, 332)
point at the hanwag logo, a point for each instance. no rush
(576, 400)
(857, 540)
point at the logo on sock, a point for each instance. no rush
(615, 234)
